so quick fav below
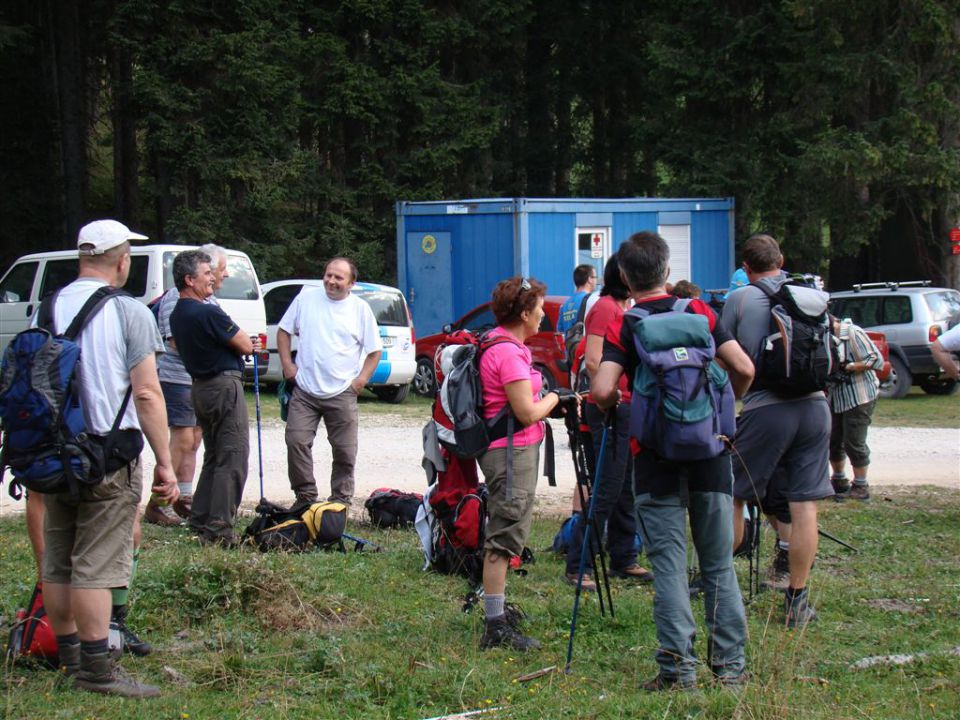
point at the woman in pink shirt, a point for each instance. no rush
(508, 378)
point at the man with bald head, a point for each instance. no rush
(339, 348)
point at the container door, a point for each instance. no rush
(593, 248)
(429, 274)
(678, 240)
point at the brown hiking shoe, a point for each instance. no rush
(588, 584)
(500, 633)
(68, 662)
(667, 682)
(859, 492)
(100, 674)
(633, 572)
(778, 574)
(182, 506)
(162, 516)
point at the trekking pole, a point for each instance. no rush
(582, 474)
(256, 396)
(583, 546)
(837, 540)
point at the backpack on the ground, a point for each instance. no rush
(683, 405)
(302, 527)
(31, 634)
(391, 508)
(799, 354)
(46, 444)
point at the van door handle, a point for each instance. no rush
(29, 309)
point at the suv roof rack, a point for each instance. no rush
(891, 285)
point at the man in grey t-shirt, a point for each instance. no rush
(793, 433)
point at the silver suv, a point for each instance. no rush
(912, 315)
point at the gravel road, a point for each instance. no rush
(390, 452)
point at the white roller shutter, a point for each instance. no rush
(678, 240)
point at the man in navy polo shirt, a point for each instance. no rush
(212, 347)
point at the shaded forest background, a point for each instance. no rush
(289, 128)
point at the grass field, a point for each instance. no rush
(363, 635)
(915, 410)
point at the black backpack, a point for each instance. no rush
(799, 354)
(390, 508)
(575, 332)
(305, 526)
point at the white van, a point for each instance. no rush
(391, 380)
(33, 277)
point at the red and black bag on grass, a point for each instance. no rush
(391, 508)
(32, 635)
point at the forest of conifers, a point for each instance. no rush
(289, 128)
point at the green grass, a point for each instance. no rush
(918, 409)
(365, 635)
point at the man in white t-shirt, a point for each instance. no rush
(339, 349)
(943, 348)
(88, 540)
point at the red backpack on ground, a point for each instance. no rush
(32, 635)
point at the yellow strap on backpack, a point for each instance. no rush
(313, 517)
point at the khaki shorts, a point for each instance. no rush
(509, 520)
(88, 542)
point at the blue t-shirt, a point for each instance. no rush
(737, 280)
(567, 316)
(203, 333)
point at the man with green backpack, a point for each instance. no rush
(677, 358)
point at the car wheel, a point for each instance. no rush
(549, 383)
(899, 382)
(936, 386)
(392, 393)
(424, 380)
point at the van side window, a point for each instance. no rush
(18, 283)
(897, 311)
(58, 274)
(137, 280)
(277, 301)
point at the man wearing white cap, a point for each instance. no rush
(89, 540)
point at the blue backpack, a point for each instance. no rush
(45, 440)
(683, 406)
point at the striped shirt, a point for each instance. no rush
(856, 388)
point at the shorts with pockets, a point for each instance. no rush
(510, 518)
(179, 404)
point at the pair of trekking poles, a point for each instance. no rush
(592, 533)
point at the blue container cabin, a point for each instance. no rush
(451, 253)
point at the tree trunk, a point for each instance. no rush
(126, 189)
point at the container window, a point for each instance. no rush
(18, 284)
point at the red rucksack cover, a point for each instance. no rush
(32, 634)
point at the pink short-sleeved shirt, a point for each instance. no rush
(501, 365)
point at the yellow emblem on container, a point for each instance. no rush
(429, 244)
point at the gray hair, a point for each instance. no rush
(215, 252)
(188, 263)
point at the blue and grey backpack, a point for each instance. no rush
(45, 440)
(683, 405)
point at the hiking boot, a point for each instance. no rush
(633, 572)
(733, 683)
(588, 583)
(231, 540)
(799, 612)
(131, 643)
(182, 506)
(498, 632)
(514, 614)
(841, 484)
(68, 661)
(860, 491)
(778, 574)
(162, 516)
(668, 682)
(100, 674)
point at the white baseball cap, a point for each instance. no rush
(102, 235)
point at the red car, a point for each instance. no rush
(547, 346)
(880, 340)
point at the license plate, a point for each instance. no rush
(387, 341)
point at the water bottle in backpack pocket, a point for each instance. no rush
(683, 407)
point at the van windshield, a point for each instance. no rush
(240, 283)
(387, 305)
